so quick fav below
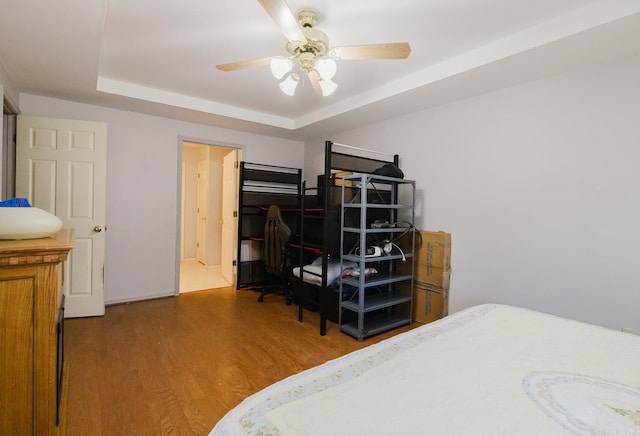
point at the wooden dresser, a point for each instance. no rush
(30, 303)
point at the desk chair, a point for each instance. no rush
(276, 236)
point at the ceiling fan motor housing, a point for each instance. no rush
(316, 45)
(307, 19)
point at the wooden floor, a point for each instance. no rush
(175, 366)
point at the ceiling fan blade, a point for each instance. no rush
(284, 19)
(243, 64)
(314, 78)
(397, 50)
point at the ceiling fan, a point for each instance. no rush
(310, 52)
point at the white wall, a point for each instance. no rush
(539, 186)
(142, 188)
(7, 89)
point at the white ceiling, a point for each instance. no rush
(159, 57)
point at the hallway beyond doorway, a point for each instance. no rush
(194, 276)
(208, 219)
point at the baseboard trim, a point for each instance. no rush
(135, 300)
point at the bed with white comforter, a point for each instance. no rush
(486, 370)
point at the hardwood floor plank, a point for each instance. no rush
(177, 365)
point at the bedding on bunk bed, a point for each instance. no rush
(489, 369)
(312, 273)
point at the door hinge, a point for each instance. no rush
(235, 214)
(235, 164)
(234, 263)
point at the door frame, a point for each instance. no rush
(179, 199)
(202, 213)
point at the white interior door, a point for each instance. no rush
(61, 168)
(229, 215)
(202, 211)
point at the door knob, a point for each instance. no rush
(97, 229)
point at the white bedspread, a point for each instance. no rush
(487, 370)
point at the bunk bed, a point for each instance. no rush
(319, 249)
(261, 186)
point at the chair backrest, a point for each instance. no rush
(276, 236)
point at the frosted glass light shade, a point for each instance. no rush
(280, 66)
(328, 87)
(326, 68)
(27, 223)
(289, 85)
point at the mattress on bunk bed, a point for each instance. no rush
(312, 273)
(489, 369)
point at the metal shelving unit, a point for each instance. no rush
(378, 215)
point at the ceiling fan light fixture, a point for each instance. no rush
(289, 85)
(310, 51)
(326, 68)
(280, 66)
(328, 87)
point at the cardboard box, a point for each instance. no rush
(429, 304)
(432, 258)
(436, 277)
(337, 178)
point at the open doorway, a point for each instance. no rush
(208, 216)
(8, 151)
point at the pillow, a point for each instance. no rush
(389, 170)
